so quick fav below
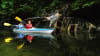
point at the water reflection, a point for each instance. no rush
(79, 44)
(29, 38)
(8, 39)
(81, 36)
(20, 35)
(64, 44)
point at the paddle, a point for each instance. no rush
(8, 24)
(7, 40)
(20, 46)
(18, 19)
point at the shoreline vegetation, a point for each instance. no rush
(76, 14)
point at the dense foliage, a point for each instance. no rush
(30, 8)
(83, 3)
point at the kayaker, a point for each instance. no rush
(29, 25)
(20, 25)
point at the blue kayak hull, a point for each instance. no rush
(34, 30)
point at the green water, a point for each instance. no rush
(69, 44)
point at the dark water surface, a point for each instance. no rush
(69, 44)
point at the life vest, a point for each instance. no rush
(20, 26)
(28, 26)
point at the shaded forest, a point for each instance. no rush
(84, 9)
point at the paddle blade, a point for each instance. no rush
(7, 24)
(20, 46)
(18, 19)
(7, 40)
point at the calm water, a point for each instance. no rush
(70, 44)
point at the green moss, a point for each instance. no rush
(88, 4)
(82, 4)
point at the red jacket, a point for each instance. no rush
(28, 26)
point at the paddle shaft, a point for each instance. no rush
(35, 18)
